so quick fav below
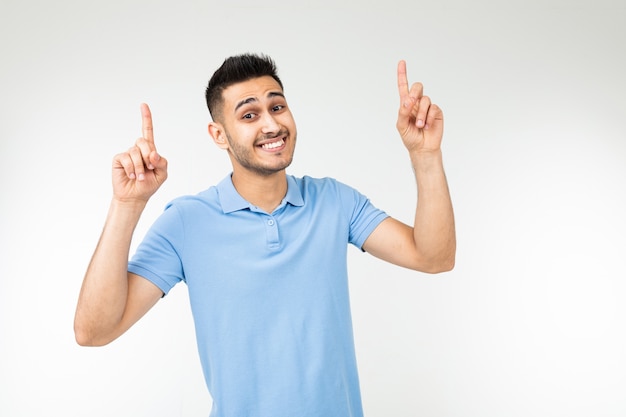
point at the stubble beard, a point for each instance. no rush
(245, 157)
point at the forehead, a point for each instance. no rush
(255, 88)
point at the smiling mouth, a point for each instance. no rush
(273, 145)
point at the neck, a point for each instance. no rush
(263, 191)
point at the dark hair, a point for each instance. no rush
(236, 69)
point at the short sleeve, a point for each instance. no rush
(157, 258)
(364, 216)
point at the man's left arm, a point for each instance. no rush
(430, 245)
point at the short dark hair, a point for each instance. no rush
(236, 69)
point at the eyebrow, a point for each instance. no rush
(254, 99)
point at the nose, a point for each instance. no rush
(269, 124)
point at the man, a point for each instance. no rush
(263, 253)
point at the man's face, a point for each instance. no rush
(259, 128)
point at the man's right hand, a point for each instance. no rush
(139, 172)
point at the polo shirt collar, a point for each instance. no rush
(231, 200)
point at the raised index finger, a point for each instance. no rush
(146, 123)
(403, 82)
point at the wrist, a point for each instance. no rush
(130, 205)
(426, 159)
(122, 218)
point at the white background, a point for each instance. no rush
(530, 322)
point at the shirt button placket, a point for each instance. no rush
(271, 231)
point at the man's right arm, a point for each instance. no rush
(111, 299)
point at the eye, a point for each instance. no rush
(278, 107)
(248, 116)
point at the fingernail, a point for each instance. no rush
(150, 166)
(131, 176)
(141, 177)
(420, 123)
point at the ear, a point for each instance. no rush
(218, 134)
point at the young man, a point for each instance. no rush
(263, 253)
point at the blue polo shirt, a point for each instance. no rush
(268, 293)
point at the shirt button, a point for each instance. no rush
(270, 222)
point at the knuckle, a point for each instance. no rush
(140, 142)
(118, 158)
(144, 146)
(134, 158)
(122, 159)
(134, 153)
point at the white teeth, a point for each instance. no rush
(273, 144)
